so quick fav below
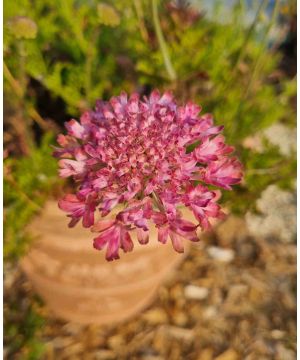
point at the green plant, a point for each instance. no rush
(28, 182)
(70, 54)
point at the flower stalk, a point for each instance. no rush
(162, 44)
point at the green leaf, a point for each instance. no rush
(22, 27)
(107, 15)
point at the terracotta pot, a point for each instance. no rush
(76, 281)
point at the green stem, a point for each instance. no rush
(70, 17)
(19, 91)
(158, 202)
(249, 32)
(162, 44)
(13, 82)
(256, 65)
(261, 53)
(140, 15)
(22, 77)
(27, 199)
(224, 88)
(89, 63)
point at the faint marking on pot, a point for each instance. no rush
(90, 307)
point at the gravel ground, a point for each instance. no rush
(234, 297)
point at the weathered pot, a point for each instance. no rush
(76, 281)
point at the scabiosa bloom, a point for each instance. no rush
(133, 152)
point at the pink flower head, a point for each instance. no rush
(133, 152)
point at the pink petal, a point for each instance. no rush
(143, 236)
(163, 233)
(75, 129)
(70, 203)
(112, 252)
(70, 167)
(176, 242)
(101, 240)
(102, 225)
(111, 237)
(88, 218)
(126, 242)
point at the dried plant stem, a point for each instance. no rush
(162, 44)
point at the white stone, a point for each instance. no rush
(283, 137)
(277, 334)
(195, 292)
(277, 216)
(219, 254)
(210, 312)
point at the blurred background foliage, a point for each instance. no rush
(60, 56)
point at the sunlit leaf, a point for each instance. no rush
(107, 15)
(22, 27)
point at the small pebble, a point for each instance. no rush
(180, 333)
(156, 316)
(277, 334)
(62, 342)
(115, 342)
(104, 355)
(284, 353)
(219, 254)
(229, 354)
(206, 354)
(210, 312)
(195, 292)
